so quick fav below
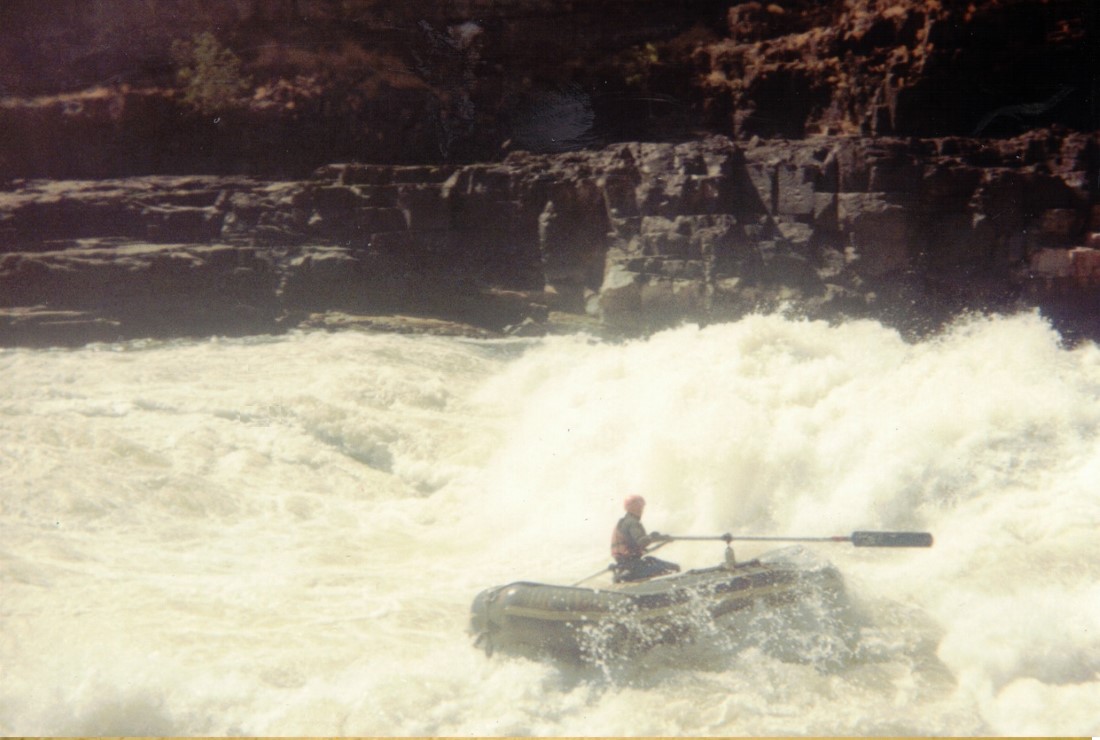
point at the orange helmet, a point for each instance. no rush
(634, 504)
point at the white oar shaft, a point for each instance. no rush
(859, 539)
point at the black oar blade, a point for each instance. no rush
(891, 539)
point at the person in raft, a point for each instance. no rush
(628, 546)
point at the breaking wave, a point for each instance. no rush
(282, 536)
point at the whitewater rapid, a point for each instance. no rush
(283, 535)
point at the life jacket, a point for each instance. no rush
(623, 546)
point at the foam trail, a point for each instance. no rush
(282, 536)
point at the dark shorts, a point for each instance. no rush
(642, 568)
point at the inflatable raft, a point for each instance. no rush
(590, 624)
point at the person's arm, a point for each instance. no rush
(649, 539)
(638, 534)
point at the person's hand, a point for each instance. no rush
(658, 537)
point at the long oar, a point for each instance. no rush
(858, 539)
(600, 572)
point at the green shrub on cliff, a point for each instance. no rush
(210, 74)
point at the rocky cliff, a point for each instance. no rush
(94, 89)
(636, 236)
(505, 166)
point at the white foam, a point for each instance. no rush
(283, 535)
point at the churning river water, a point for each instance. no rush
(283, 535)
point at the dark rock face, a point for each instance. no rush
(635, 162)
(909, 68)
(88, 87)
(913, 232)
(639, 236)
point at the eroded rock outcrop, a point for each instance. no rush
(91, 90)
(637, 236)
(925, 68)
(634, 163)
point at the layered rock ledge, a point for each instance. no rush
(626, 239)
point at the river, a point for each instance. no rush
(283, 535)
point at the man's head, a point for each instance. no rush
(634, 504)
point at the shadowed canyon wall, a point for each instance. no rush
(505, 164)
